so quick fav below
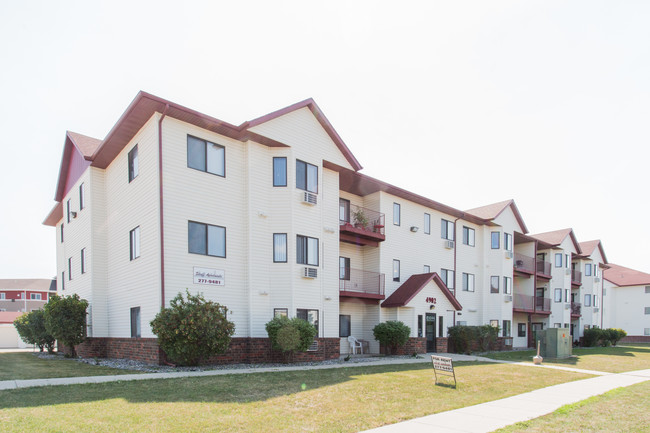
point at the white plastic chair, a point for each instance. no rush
(354, 345)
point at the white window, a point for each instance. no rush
(306, 250)
(82, 198)
(507, 285)
(447, 277)
(558, 260)
(507, 328)
(558, 295)
(647, 310)
(83, 260)
(69, 268)
(427, 224)
(494, 284)
(134, 243)
(279, 171)
(447, 230)
(587, 300)
(135, 322)
(427, 269)
(495, 239)
(205, 156)
(596, 304)
(68, 210)
(280, 247)
(468, 236)
(397, 214)
(587, 269)
(206, 239)
(35, 296)
(134, 164)
(507, 240)
(306, 176)
(468, 282)
(3, 296)
(396, 270)
(310, 316)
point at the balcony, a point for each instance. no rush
(362, 227)
(543, 269)
(576, 308)
(531, 304)
(524, 264)
(576, 277)
(362, 284)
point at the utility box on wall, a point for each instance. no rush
(555, 343)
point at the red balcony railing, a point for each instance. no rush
(360, 283)
(543, 268)
(362, 226)
(576, 309)
(576, 277)
(531, 304)
(524, 263)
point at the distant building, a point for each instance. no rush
(18, 296)
(627, 302)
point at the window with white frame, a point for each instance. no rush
(206, 239)
(310, 316)
(469, 236)
(447, 277)
(279, 247)
(83, 260)
(558, 295)
(69, 268)
(596, 303)
(397, 214)
(61, 232)
(495, 240)
(344, 268)
(507, 328)
(426, 269)
(68, 210)
(134, 163)
(82, 196)
(566, 295)
(135, 322)
(507, 285)
(306, 176)
(427, 224)
(587, 300)
(396, 270)
(647, 310)
(587, 269)
(35, 296)
(307, 250)
(468, 282)
(494, 284)
(521, 330)
(280, 171)
(447, 229)
(507, 241)
(63, 280)
(206, 156)
(344, 325)
(2, 295)
(134, 243)
(567, 261)
(558, 260)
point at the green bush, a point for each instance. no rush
(290, 335)
(392, 334)
(602, 337)
(592, 337)
(65, 320)
(192, 329)
(615, 335)
(461, 337)
(31, 328)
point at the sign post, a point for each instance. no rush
(444, 367)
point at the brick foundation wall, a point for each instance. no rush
(241, 350)
(474, 346)
(442, 344)
(413, 345)
(635, 339)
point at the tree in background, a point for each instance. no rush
(31, 328)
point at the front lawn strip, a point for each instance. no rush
(617, 359)
(620, 410)
(25, 365)
(331, 400)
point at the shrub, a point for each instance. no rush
(461, 337)
(290, 335)
(31, 328)
(65, 320)
(392, 334)
(617, 335)
(592, 337)
(192, 329)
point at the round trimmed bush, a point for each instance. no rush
(392, 334)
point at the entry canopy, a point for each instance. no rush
(430, 282)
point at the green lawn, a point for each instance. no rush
(620, 410)
(333, 400)
(611, 359)
(25, 365)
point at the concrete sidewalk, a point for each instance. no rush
(493, 415)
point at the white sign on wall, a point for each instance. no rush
(211, 277)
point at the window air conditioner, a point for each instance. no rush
(596, 279)
(449, 245)
(508, 298)
(310, 272)
(567, 306)
(310, 199)
(597, 309)
(568, 272)
(313, 347)
(509, 255)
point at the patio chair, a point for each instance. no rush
(354, 345)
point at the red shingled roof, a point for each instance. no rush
(492, 211)
(411, 287)
(622, 276)
(589, 247)
(9, 316)
(556, 237)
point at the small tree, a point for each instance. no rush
(65, 320)
(31, 328)
(592, 337)
(290, 335)
(193, 329)
(616, 334)
(392, 334)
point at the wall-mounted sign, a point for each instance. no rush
(431, 300)
(211, 277)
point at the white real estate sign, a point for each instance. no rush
(212, 277)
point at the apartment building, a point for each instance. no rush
(626, 302)
(273, 217)
(17, 297)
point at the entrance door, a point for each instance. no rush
(431, 331)
(536, 327)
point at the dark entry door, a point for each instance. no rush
(431, 331)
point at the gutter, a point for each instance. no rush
(455, 249)
(162, 226)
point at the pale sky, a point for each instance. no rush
(464, 102)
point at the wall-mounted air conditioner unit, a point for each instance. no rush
(507, 298)
(310, 199)
(313, 347)
(509, 255)
(449, 245)
(567, 306)
(310, 272)
(596, 279)
(568, 272)
(597, 309)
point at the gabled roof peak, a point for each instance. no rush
(556, 237)
(492, 211)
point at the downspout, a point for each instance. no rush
(455, 279)
(160, 193)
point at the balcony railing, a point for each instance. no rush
(576, 277)
(524, 263)
(531, 304)
(543, 268)
(365, 284)
(362, 226)
(576, 309)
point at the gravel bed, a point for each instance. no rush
(127, 364)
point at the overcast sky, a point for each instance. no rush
(467, 103)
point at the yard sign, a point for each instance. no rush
(443, 366)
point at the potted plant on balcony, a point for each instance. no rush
(360, 219)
